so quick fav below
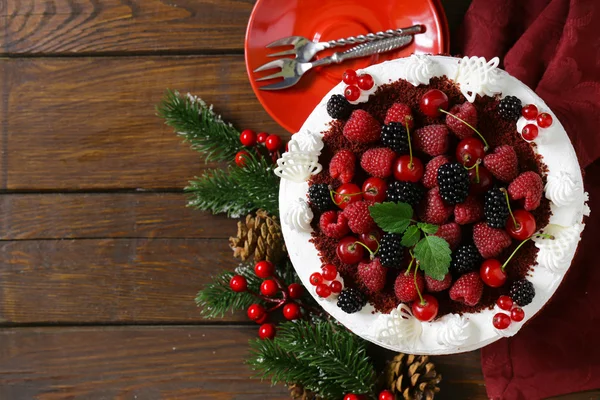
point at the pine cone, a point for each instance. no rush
(412, 377)
(297, 392)
(259, 236)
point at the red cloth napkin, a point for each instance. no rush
(553, 46)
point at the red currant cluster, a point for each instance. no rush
(530, 113)
(503, 320)
(326, 281)
(383, 395)
(356, 83)
(249, 139)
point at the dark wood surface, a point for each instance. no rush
(99, 257)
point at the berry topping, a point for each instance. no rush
(529, 132)
(469, 151)
(241, 157)
(433, 285)
(350, 252)
(238, 283)
(335, 286)
(362, 128)
(496, 207)
(434, 210)
(395, 136)
(401, 113)
(522, 225)
(273, 143)
(465, 259)
(351, 300)
(502, 163)
(320, 197)
(451, 233)
(467, 289)
(374, 189)
(467, 113)
(248, 138)
(529, 112)
(431, 139)
(323, 290)
(365, 82)
(372, 275)
(316, 278)
(334, 224)
(346, 194)
(264, 269)
(490, 241)
(504, 302)
(378, 162)
(338, 107)
(509, 108)
(329, 272)
(481, 179)
(522, 292)
(501, 321)
(390, 251)
(269, 288)
(405, 288)
(266, 331)
(342, 166)
(291, 311)
(492, 273)
(432, 101)
(517, 314)
(296, 290)
(430, 175)
(425, 310)
(359, 217)
(371, 239)
(404, 192)
(453, 182)
(408, 169)
(468, 212)
(352, 93)
(544, 120)
(528, 186)
(350, 77)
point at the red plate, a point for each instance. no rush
(323, 20)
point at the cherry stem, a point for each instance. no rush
(470, 126)
(409, 265)
(371, 252)
(331, 192)
(410, 162)
(542, 235)
(517, 225)
(417, 286)
(372, 237)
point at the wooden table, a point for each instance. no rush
(100, 259)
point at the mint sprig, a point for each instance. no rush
(433, 254)
(411, 237)
(392, 217)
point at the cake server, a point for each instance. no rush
(291, 70)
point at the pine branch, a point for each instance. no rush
(200, 126)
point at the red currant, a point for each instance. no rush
(256, 312)
(386, 395)
(408, 170)
(240, 158)
(365, 82)
(264, 269)
(492, 274)
(262, 137)
(371, 239)
(427, 310)
(296, 290)
(273, 143)
(481, 179)
(469, 151)
(529, 132)
(323, 290)
(529, 112)
(525, 225)
(346, 194)
(432, 101)
(291, 311)
(316, 278)
(504, 302)
(248, 138)
(517, 314)
(352, 93)
(501, 321)
(268, 288)
(351, 396)
(238, 283)
(349, 252)
(349, 77)
(262, 320)
(266, 331)
(374, 189)
(335, 286)
(329, 272)
(544, 120)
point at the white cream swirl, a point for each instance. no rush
(556, 254)
(562, 189)
(420, 69)
(476, 76)
(308, 141)
(298, 165)
(455, 330)
(399, 327)
(299, 216)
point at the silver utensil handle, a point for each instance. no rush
(368, 49)
(369, 37)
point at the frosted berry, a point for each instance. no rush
(266, 331)
(264, 269)
(329, 272)
(256, 312)
(336, 287)
(352, 93)
(501, 321)
(262, 137)
(241, 157)
(350, 77)
(544, 120)
(517, 314)
(323, 291)
(273, 143)
(432, 101)
(316, 278)
(268, 288)
(529, 112)
(248, 138)
(529, 132)
(504, 302)
(425, 310)
(296, 290)
(365, 82)
(238, 283)
(291, 311)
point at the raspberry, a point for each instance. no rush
(522, 292)
(509, 108)
(394, 136)
(496, 208)
(378, 162)
(401, 113)
(434, 210)
(338, 107)
(405, 288)
(467, 289)
(404, 192)
(432, 139)
(359, 217)
(334, 224)
(320, 197)
(468, 212)
(433, 285)
(467, 112)
(342, 166)
(372, 275)
(390, 250)
(490, 241)
(502, 163)
(528, 186)
(430, 177)
(465, 259)
(362, 128)
(453, 181)
(450, 232)
(351, 300)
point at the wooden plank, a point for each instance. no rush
(113, 26)
(89, 123)
(102, 215)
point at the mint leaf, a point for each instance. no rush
(392, 217)
(434, 258)
(428, 228)
(411, 236)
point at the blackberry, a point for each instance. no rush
(509, 108)
(465, 259)
(495, 208)
(320, 197)
(522, 292)
(390, 251)
(338, 107)
(394, 136)
(351, 300)
(453, 180)
(405, 192)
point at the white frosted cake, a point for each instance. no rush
(446, 203)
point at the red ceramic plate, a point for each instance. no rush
(323, 20)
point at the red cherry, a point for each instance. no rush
(481, 180)
(349, 77)
(432, 101)
(529, 132)
(348, 251)
(386, 395)
(427, 310)
(352, 93)
(351, 396)
(544, 120)
(291, 311)
(273, 143)
(268, 288)
(240, 158)
(517, 314)
(492, 274)
(504, 302)
(264, 269)
(529, 112)
(365, 82)
(470, 150)
(501, 321)
(346, 194)
(329, 272)
(323, 290)
(371, 239)
(525, 225)
(296, 290)
(405, 171)
(248, 138)
(335, 286)
(316, 278)
(238, 283)
(374, 189)
(262, 137)
(266, 331)
(256, 312)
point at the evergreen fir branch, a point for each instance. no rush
(200, 126)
